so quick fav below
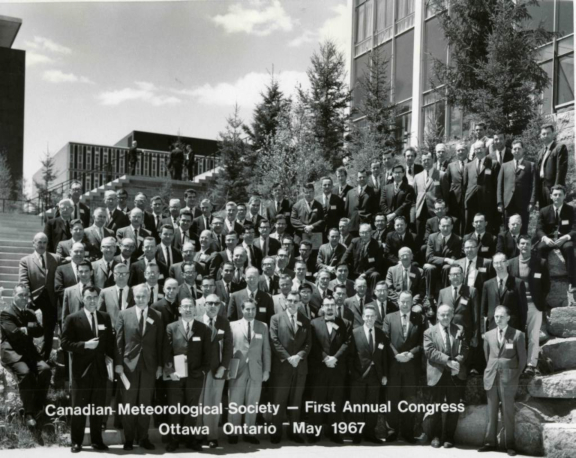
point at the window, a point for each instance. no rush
(404, 66)
(565, 24)
(435, 46)
(565, 79)
(363, 27)
(384, 20)
(361, 69)
(434, 117)
(404, 15)
(404, 125)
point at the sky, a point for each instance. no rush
(97, 70)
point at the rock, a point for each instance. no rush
(559, 437)
(472, 426)
(558, 295)
(561, 352)
(556, 386)
(475, 393)
(562, 322)
(556, 266)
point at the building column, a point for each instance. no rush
(417, 73)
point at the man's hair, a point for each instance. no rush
(305, 286)
(457, 266)
(369, 307)
(449, 218)
(524, 237)
(167, 226)
(558, 187)
(400, 218)
(248, 301)
(150, 239)
(440, 201)
(254, 198)
(90, 289)
(20, 285)
(185, 212)
(480, 214)
(502, 307)
(306, 243)
(84, 264)
(265, 221)
(140, 194)
(280, 217)
(308, 186)
(155, 198)
(74, 222)
(518, 141)
(381, 283)
(234, 233)
(399, 166)
(481, 124)
(325, 178)
(548, 126)
(342, 170)
(411, 148)
(189, 191)
(231, 204)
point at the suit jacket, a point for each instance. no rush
(86, 362)
(409, 178)
(285, 209)
(329, 257)
(301, 216)
(555, 168)
(454, 183)
(466, 309)
(507, 245)
(508, 361)
(84, 214)
(222, 344)
(175, 271)
(133, 345)
(274, 287)
(437, 355)
(547, 224)
(94, 240)
(149, 223)
(64, 249)
(72, 301)
(504, 158)
(538, 279)
(264, 305)
(273, 246)
(353, 304)
(433, 226)
(310, 265)
(198, 348)
(108, 302)
(128, 232)
(486, 244)
(255, 220)
(284, 343)
(118, 219)
(394, 243)
(417, 283)
(137, 270)
(350, 291)
(224, 295)
(177, 243)
(516, 187)
(102, 277)
(57, 231)
(163, 262)
(186, 292)
(513, 297)
(333, 211)
(63, 278)
(363, 358)
(399, 203)
(484, 268)
(481, 185)
(205, 260)
(237, 227)
(360, 208)
(16, 345)
(342, 193)
(363, 260)
(435, 253)
(399, 344)
(254, 356)
(168, 311)
(40, 281)
(389, 307)
(323, 344)
(428, 191)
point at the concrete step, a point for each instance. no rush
(8, 270)
(6, 293)
(15, 243)
(10, 262)
(5, 248)
(7, 284)
(6, 256)
(12, 276)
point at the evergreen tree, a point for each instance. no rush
(48, 177)
(493, 72)
(327, 100)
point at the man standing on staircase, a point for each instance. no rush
(133, 154)
(58, 229)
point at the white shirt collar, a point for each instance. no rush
(90, 313)
(503, 278)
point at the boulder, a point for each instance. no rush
(562, 322)
(475, 393)
(472, 426)
(559, 437)
(556, 265)
(561, 353)
(556, 386)
(558, 295)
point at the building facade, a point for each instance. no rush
(409, 34)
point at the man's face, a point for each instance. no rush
(365, 233)
(326, 186)
(461, 152)
(90, 300)
(361, 287)
(188, 252)
(455, 276)
(108, 249)
(190, 199)
(375, 169)
(305, 295)
(340, 296)
(501, 318)
(40, 244)
(99, 218)
(397, 175)
(282, 259)
(369, 317)
(341, 177)
(381, 293)
(231, 211)
(388, 160)
(479, 224)
(252, 279)
(361, 179)
(410, 158)
(206, 209)
(84, 274)
(300, 271)
(446, 227)
(380, 222)
(343, 228)
(292, 302)
(405, 258)
(264, 229)
(217, 225)
(121, 276)
(500, 266)
(268, 267)
(185, 223)
(342, 273)
(445, 315)
(227, 273)
(111, 201)
(277, 194)
(241, 213)
(480, 132)
(285, 286)
(308, 194)
(187, 310)
(65, 210)
(136, 219)
(249, 311)
(170, 290)
(547, 136)
(557, 197)
(427, 161)
(174, 208)
(239, 258)
(254, 206)
(122, 198)
(479, 151)
(204, 239)
(280, 226)
(329, 308)
(157, 206)
(249, 236)
(208, 287)
(517, 151)
(149, 249)
(127, 248)
(231, 242)
(167, 236)
(441, 153)
(470, 250)
(498, 141)
(21, 297)
(400, 226)
(77, 254)
(77, 232)
(333, 238)
(515, 224)
(151, 274)
(323, 280)
(525, 247)
(305, 251)
(212, 304)
(140, 202)
(75, 191)
(405, 303)
(141, 298)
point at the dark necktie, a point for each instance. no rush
(157, 221)
(141, 322)
(469, 263)
(211, 323)
(43, 262)
(501, 288)
(136, 236)
(447, 341)
(500, 338)
(293, 323)
(371, 340)
(361, 302)
(120, 298)
(93, 325)
(404, 325)
(405, 280)
(249, 333)
(455, 293)
(443, 244)
(188, 330)
(252, 260)
(109, 269)
(557, 217)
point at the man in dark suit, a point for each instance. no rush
(404, 330)
(269, 281)
(253, 215)
(361, 203)
(480, 182)
(331, 339)
(115, 218)
(485, 240)
(183, 233)
(454, 177)
(190, 201)
(332, 205)
(385, 169)
(446, 351)
(267, 245)
(174, 208)
(127, 250)
(504, 289)
(281, 224)
(188, 253)
(65, 246)
(400, 237)
(476, 269)
(67, 275)
(230, 223)
(89, 337)
(20, 356)
(72, 298)
(308, 308)
(442, 160)
(218, 235)
(103, 269)
(551, 166)
(307, 216)
(377, 179)
(397, 198)
(290, 342)
(368, 371)
(345, 236)
(278, 206)
(202, 223)
(412, 169)
(341, 310)
(364, 257)
(138, 268)
(555, 231)
(96, 233)
(507, 242)
(226, 286)
(188, 289)
(379, 233)
(59, 228)
(342, 187)
(135, 231)
(505, 351)
(342, 280)
(188, 348)
(139, 340)
(37, 271)
(498, 150)
(168, 305)
(406, 276)
(206, 256)
(123, 201)
(79, 210)
(148, 223)
(534, 272)
(433, 224)
(308, 257)
(166, 255)
(330, 254)
(443, 249)
(381, 303)
(516, 193)
(264, 302)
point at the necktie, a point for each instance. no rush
(501, 288)
(211, 322)
(447, 341)
(468, 269)
(141, 322)
(157, 221)
(43, 262)
(168, 256)
(404, 325)
(93, 325)
(251, 251)
(109, 269)
(188, 330)
(265, 248)
(557, 217)
(152, 299)
(125, 262)
(227, 287)
(249, 333)
(371, 340)
(361, 301)
(410, 171)
(500, 337)
(341, 311)
(75, 211)
(443, 240)
(120, 299)
(405, 280)
(136, 236)
(68, 228)
(293, 323)
(455, 293)
(237, 275)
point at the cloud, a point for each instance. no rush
(307, 37)
(45, 44)
(33, 58)
(261, 19)
(142, 92)
(58, 76)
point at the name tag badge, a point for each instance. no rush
(537, 275)
(140, 238)
(101, 327)
(82, 211)
(262, 309)
(485, 249)
(464, 301)
(412, 275)
(335, 326)
(380, 346)
(565, 222)
(509, 346)
(332, 207)
(488, 172)
(149, 320)
(436, 183)
(313, 314)
(371, 260)
(521, 167)
(344, 199)
(160, 277)
(220, 331)
(298, 323)
(30, 323)
(258, 336)
(315, 210)
(287, 213)
(482, 269)
(196, 339)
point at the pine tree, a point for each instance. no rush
(493, 72)
(328, 100)
(48, 177)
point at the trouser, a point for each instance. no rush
(366, 391)
(140, 392)
(401, 386)
(33, 382)
(49, 324)
(328, 385)
(133, 163)
(436, 278)
(567, 249)
(533, 325)
(185, 391)
(211, 397)
(448, 390)
(87, 390)
(501, 393)
(287, 390)
(244, 391)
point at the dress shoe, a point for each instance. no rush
(213, 443)
(448, 445)
(232, 440)
(530, 370)
(336, 439)
(251, 439)
(172, 446)
(275, 439)
(30, 422)
(436, 443)
(511, 452)
(76, 448)
(409, 439)
(357, 440)
(128, 446)
(100, 446)
(193, 444)
(392, 437)
(146, 444)
(296, 438)
(373, 439)
(39, 439)
(487, 448)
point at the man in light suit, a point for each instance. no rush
(476, 269)
(192, 339)
(361, 203)
(188, 288)
(505, 352)
(405, 276)
(37, 271)
(252, 349)
(551, 166)
(88, 335)
(104, 268)
(446, 351)
(269, 280)
(307, 216)
(290, 342)
(356, 303)
(135, 231)
(330, 254)
(115, 218)
(116, 298)
(454, 182)
(285, 284)
(516, 192)
(139, 340)
(72, 300)
(96, 233)
(263, 300)
(377, 179)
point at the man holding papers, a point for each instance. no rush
(187, 352)
(88, 336)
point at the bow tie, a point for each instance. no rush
(329, 320)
